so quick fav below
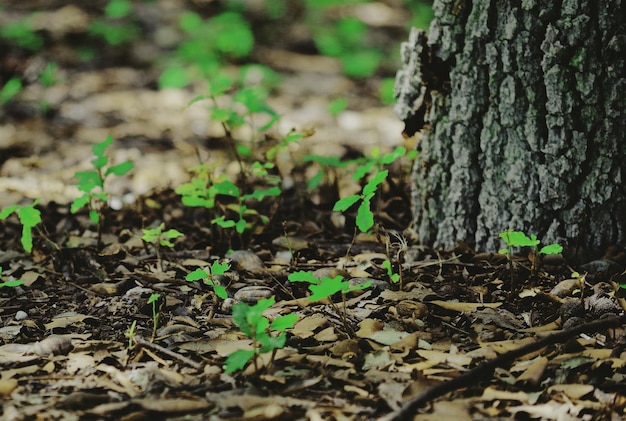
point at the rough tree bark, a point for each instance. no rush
(520, 105)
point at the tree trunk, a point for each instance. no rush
(520, 108)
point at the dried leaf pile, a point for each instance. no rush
(67, 356)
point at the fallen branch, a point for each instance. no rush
(486, 369)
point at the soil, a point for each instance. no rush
(80, 336)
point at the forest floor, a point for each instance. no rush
(105, 325)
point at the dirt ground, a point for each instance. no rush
(82, 338)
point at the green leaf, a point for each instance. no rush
(387, 265)
(153, 298)
(8, 211)
(357, 287)
(263, 305)
(269, 343)
(240, 317)
(14, 283)
(326, 288)
(94, 216)
(344, 204)
(173, 77)
(237, 360)
(220, 84)
(227, 188)
(120, 169)
(518, 239)
(10, 89)
(189, 21)
(315, 181)
(88, 180)
(292, 137)
(240, 226)
(27, 238)
(284, 322)
(372, 185)
(220, 291)
(391, 157)
(261, 194)
(551, 249)
(223, 115)
(151, 234)
(79, 203)
(386, 91)
(303, 276)
(193, 201)
(99, 148)
(118, 9)
(362, 170)
(364, 216)
(337, 106)
(260, 324)
(29, 215)
(361, 63)
(173, 233)
(218, 268)
(223, 222)
(100, 162)
(232, 34)
(197, 275)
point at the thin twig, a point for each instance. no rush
(141, 341)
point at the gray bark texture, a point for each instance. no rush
(519, 105)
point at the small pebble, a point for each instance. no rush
(21, 315)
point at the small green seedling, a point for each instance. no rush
(395, 250)
(237, 102)
(29, 217)
(91, 183)
(520, 239)
(154, 300)
(131, 334)
(13, 283)
(200, 192)
(207, 275)
(283, 144)
(364, 215)
(327, 287)
(582, 279)
(159, 238)
(266, 335)
(245, 216)
(393, 276)
(377, 160)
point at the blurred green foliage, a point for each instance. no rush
(212, 38)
